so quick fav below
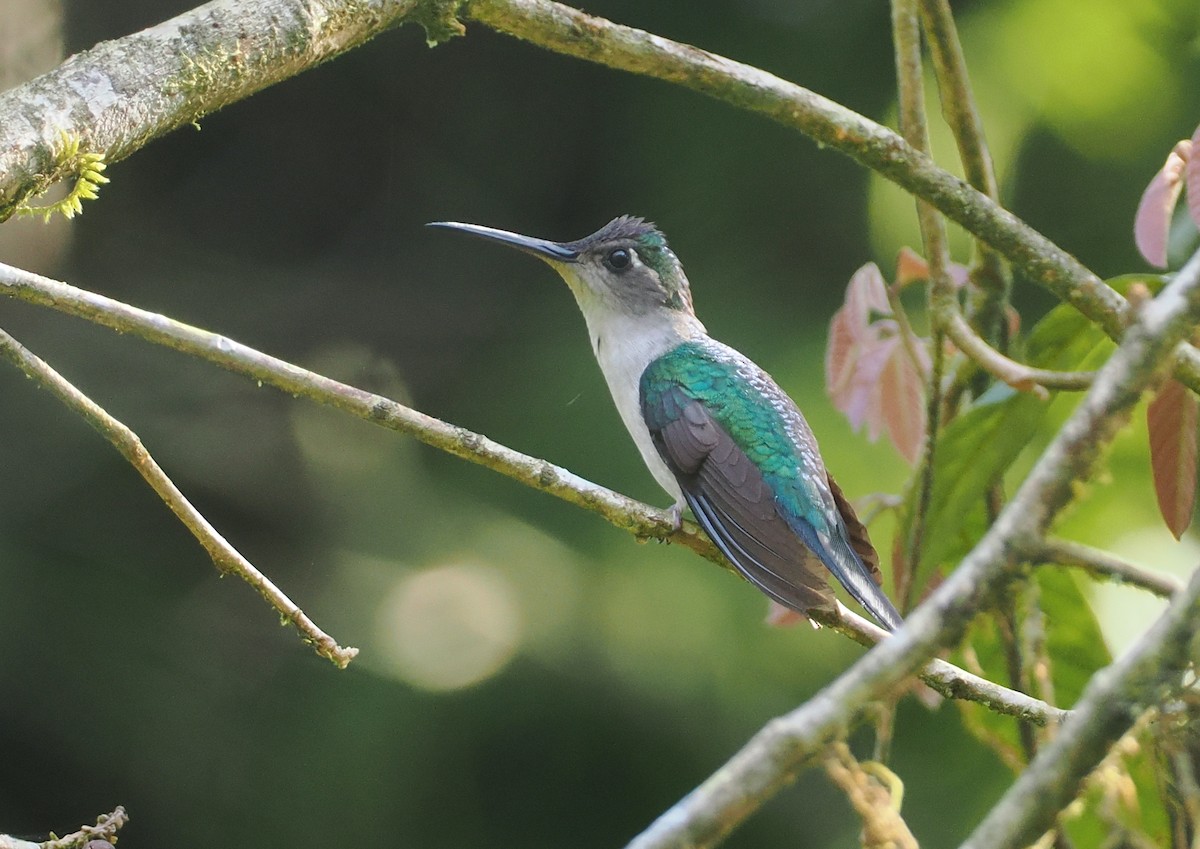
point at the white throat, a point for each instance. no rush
(624, 345)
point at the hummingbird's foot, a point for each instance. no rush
(676, 513)
(675, 517)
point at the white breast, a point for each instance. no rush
(624, 346)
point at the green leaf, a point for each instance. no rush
(979, 446)
(973, 452)
(1074, 647)
(1074, 640)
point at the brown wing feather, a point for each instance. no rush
(856, 532)
(736, 507)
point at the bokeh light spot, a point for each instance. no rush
(449, 627)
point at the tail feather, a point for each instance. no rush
(836, 552)
(863, 559)
(850, 571)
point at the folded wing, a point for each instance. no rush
(780, 553)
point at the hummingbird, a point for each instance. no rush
(714, 429)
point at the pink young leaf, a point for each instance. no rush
(1172, 418)
(867, 293)
(902, 402)
(869, 382)
(869, 375)
(840, 352)
(911, 267)
(1152, 223)
(851, 333)
(1192, 174)
(859, 397)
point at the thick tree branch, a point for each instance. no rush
(574, 33)
(225, 556)
(119, 95)
(623, 512)
(772, 757)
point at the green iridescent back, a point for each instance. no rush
(763, 421)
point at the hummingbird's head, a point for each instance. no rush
(625, 266)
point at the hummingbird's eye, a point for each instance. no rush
(618, 259)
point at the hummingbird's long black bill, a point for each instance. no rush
(543, 248)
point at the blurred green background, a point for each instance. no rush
(529, 675)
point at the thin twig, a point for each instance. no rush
(772, 757)
(990, 274)
(956, 96)
(1008, 628)
(1036, 646)
(1017, 375)
(1102, 564)
(943, 300)
(623, 512)
(224, 556)
(915, 542)
(906, 34)
(949, 680)
(638, 519)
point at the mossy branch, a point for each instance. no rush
(121, 94)
(70, 161)
(103, 832)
